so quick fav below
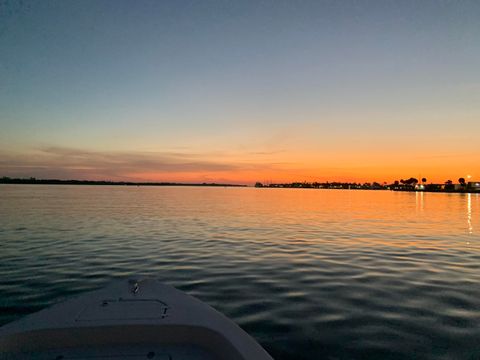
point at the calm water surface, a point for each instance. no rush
(311, 274)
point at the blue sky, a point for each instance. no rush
(324, 89)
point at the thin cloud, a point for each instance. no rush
(273, 152)
(63, 162)
(438, 156)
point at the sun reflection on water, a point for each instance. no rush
(469, 214)
(419, 201)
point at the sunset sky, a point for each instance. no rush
(238, 92)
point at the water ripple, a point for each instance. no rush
(338, 274)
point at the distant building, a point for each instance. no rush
(473, 186)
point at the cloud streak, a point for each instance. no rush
(63, 162)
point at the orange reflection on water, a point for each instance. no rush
(469, 214)
(273, 217)
(355, 218)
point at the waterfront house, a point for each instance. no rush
(473, 186)
(419, 187)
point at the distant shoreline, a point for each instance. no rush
(470, 188)
(433, 188)
(34, 181)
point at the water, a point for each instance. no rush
(310, 274)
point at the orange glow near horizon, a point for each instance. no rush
(342, 167)
(239, 168)
(316, 172)
(298, 165)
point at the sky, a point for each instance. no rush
(239, 92)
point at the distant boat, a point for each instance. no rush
(129, 320)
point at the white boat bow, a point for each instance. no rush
(129, 320)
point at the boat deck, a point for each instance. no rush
(153, 352)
